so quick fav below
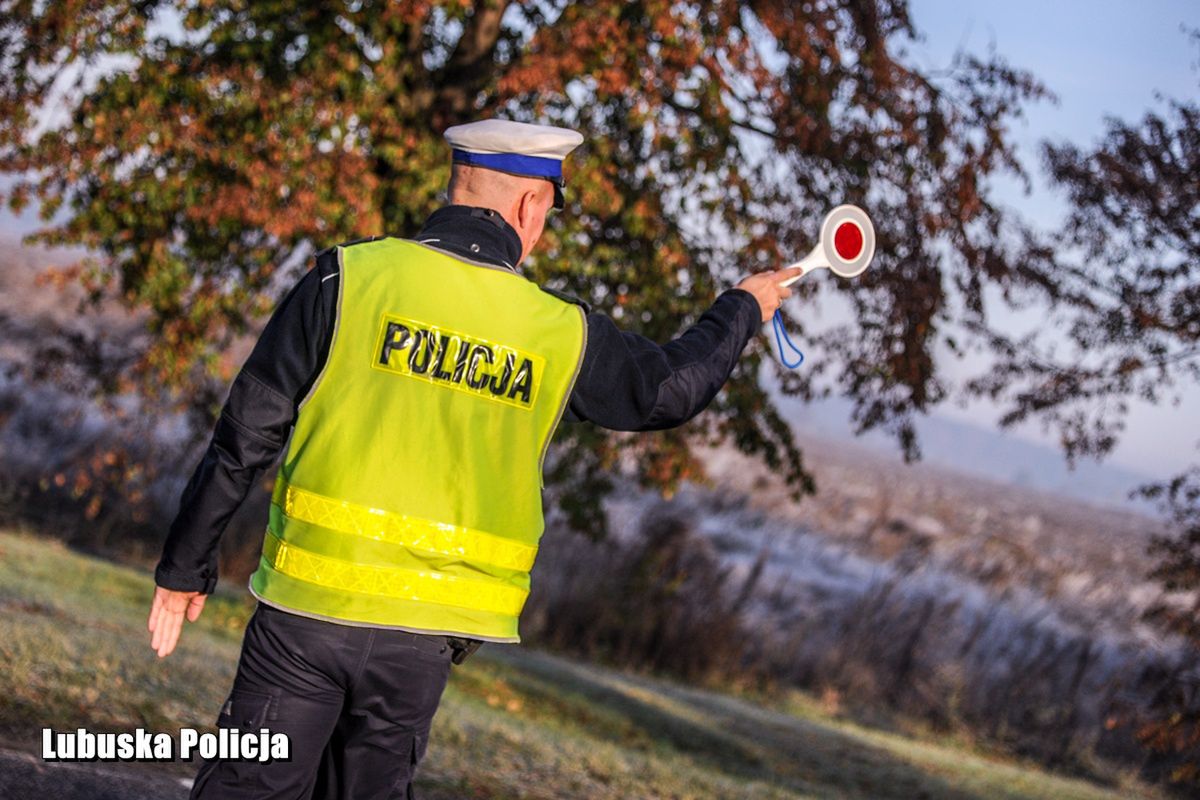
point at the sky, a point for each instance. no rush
(1101, 59)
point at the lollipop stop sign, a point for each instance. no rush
(846, 247)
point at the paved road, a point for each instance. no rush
(24, 776)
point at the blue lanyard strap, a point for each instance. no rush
(781, 336)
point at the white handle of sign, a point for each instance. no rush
(846, 246)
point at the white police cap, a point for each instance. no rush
(518, 148)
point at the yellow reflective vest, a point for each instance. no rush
(410, 492)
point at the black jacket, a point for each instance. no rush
(626, 382)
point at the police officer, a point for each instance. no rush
(420, 382)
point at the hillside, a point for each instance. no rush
(515, 722)
(978, 449)
(1089, 560)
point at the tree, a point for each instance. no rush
(207, 148)
(1174, 725)
(1121, 279)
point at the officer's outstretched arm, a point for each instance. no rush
(630, 383)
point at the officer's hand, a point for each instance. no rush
(766, 289)
(166, 617)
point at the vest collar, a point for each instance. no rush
(478, 234)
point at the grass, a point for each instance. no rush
(514, 722)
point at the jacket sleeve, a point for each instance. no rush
(253, 426)
(629, 383)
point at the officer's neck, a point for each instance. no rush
(478, 234)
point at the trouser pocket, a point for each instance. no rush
(248, 710)
(225, 779)
(420, 740)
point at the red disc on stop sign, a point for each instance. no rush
(848, 240)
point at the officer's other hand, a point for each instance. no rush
(766, 289)
(166, 617)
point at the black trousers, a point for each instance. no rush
(356, 703)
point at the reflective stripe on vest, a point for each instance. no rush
(371, 579)
(410, 492)
(416, 534)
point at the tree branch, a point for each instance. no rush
(695, 112)
(470, 66)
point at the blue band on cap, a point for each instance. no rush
(533, 166)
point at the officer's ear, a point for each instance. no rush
(529, 214)
(526, 210)
(532, 207)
